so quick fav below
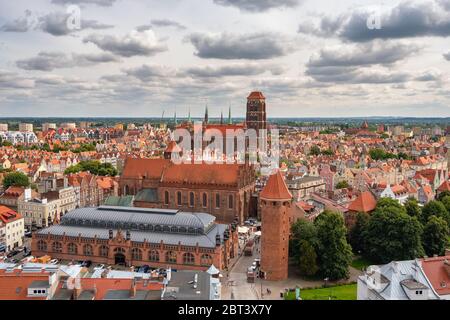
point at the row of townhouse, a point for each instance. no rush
(17, 137)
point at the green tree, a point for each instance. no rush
(446, 202)
(442, 195)
(302, 230)
(435, 236)
(94, 167)
(327, 152)
(16, 179)
(307, 262)
(314, 151)
(390, 203)
(333, 251)
(434, 208)
(392, 234)
(355, 235)
(342, 184)
(412, 207)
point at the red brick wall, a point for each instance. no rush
(275, 239)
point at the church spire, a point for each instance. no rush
(189, 115)
(229, 115)
(206, 114)
(175, 117)
(221, 117)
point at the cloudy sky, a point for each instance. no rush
(140, 57)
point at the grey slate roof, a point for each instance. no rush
(204, 240)
(126, 217)
(123, 201)
(147, 195)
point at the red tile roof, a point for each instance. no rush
(365, 202)
(437, 271)
(445, 186)
(276, 188)
(8, 215)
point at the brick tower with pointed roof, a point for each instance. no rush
(256, 111)
(276, 206)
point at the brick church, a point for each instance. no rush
(223, 190)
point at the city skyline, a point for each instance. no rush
(311, 59)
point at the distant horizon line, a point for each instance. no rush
(218, 118)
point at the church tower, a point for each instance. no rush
(256, 111)
(276, 203)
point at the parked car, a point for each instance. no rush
(54, 261)
(2, 248)
(28, 234)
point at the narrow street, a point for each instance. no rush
(235, 286)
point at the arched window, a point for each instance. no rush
(166, 198)
(205, 200)
(103, 251)
(188, 258)
(206, 260)
(179, 198)
(57, 247)
(119, 250)
(136, 254)
(191, 199)
(230, 201)
(171, 257)
(217, 200)
(127, 190)
(72, 248)
(87, 250)
(42, 245)
(153, 256)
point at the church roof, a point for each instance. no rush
(166, 171)
(276, 188)
(256, 95)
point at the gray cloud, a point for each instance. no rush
(11, 80)
(353, 64)
(103, 3)
(48, 61)
(355, 75)
(363, 54)
(406, 20)
(447, 56)
(133, 44)
(258, 5)
(167, 23)
(150, 72)
(241, 69)
(247, 46)
(428, 76)
(22, 24)
(56, 24)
